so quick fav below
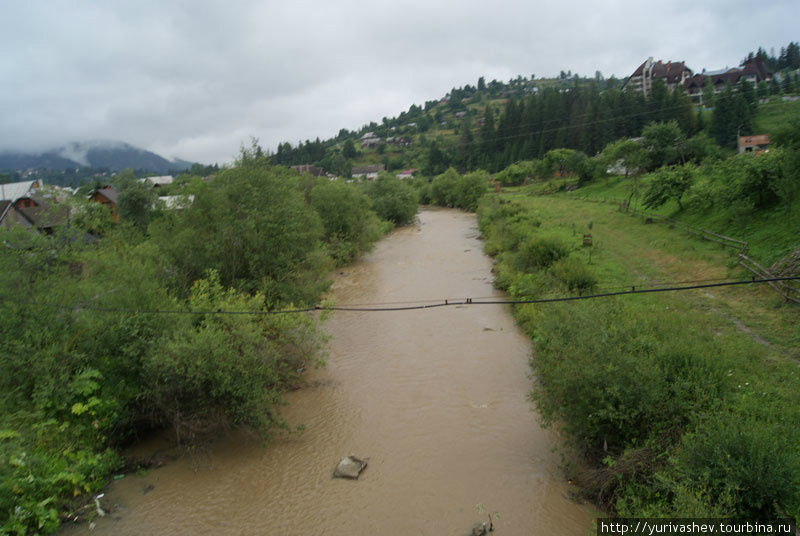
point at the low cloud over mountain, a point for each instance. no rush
(114, 155)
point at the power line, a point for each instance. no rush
(434, 305)
(566, 126)
(569, 126)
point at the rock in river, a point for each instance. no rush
(349, 467)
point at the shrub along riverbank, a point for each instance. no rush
(88, 363)
(681, 404)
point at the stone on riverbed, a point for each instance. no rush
(349, 467)
(479, 529)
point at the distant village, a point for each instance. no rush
(43, 208)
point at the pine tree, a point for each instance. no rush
(749, 95)
(708, 93)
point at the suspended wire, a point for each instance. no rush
(566, 126)
(579, 125)
(434, 305)
(602, 289)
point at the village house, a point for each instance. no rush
(398, 140)
(753, 144)
(176, 202)
(34, 211)
(309, 169)
(406, 174)
(107, 196)
(370, 140)
(161, 180)
(369, 172)
(14, 190)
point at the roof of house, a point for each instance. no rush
(44, 215)
(672, 70)
(109, 193)
(758, 139)
(698, 80)
(753, 67)
(176, 201)
(732, 75)
(15, 190)
(757, 67)
(161, 180)
(5, 205)
(374, 168)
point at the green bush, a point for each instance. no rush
(253, 226)
(423, 187)
(540, 252)
(574, 274)
(614, 376)
(453, 190)
(471, 188)
(518, 173)
(226, 369)
(444, 188)
(351, 226)
(750, 465)
(392, 199)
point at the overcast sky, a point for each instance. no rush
(195, 79)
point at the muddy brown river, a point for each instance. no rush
(436, 399)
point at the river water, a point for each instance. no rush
(435, 399)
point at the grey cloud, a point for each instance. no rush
(195, 79)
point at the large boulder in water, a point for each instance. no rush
(479, 529)
(349, 467)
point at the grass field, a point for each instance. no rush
(775, 114)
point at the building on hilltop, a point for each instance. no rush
(672, 72)
(675, 73)
(753, 71)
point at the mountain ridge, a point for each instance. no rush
(112, 154)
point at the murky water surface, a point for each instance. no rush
(435, 399)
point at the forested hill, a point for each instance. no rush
(491, 125)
